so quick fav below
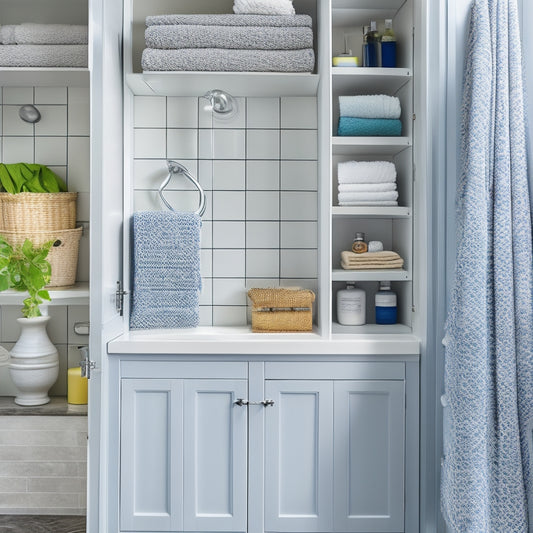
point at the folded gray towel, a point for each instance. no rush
(233, 37)
(232, 20)
(43, 55)
(29, 33)
(222, 60)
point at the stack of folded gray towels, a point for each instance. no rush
(43, 45)
(242, 42)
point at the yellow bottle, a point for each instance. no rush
(77, 387)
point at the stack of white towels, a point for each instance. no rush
(43, 45)
(367, 183)
(261, 36)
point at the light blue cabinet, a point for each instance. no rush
(335, 456)
(201, 450)
(183, 460)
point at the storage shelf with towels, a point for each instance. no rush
(236, 83)
(396, 274)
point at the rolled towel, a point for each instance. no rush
(43, 55)
(367, 187)
(367, 196)
(366, 172)
(229, 37)
(275, 21)
(384, 203)
(369, 127)
(370, 106)
(263, 7)
(370, 260)
(221, 60)
(29, 33)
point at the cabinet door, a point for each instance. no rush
(215, 471)
(151, 456)
(369, 456)
(299, 456)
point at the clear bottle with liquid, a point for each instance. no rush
(388, 46)
(351, 306)
(366, 29)
(371, 46)
(386, 304)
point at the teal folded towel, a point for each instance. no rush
(369, 127)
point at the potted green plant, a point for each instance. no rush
(34, 361)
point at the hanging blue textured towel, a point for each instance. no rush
(166, 270)
(373, 127)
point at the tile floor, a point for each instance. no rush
(41, 524)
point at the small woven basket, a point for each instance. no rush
(63, 255)
(35, 211)
(281, 310)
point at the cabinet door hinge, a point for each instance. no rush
(119, 298)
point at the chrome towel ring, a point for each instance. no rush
(177, 168)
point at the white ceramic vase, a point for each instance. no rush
(34, 363)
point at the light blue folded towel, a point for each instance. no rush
(369, 127)
(166, 270)
(370, 106)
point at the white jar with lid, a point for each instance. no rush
(351, 306)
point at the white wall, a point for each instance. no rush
(259, 171)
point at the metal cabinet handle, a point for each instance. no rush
(265, 403)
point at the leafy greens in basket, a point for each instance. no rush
(29, 177)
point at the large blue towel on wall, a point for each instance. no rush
(166, 270)
(486, 470)
(373, 127)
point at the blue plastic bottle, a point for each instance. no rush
(371, 47)
(386, 304)
(388, 46)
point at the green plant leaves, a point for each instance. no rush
(29, 177)
(25, 268)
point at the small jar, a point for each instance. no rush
(359, 245)
(351, 306)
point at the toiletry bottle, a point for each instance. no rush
(359, 245)
(386, 304)
(351, 306)
(366, 30)
(388, 46)
(372, 46)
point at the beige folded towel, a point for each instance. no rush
(370, 260)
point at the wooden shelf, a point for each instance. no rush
(44, 77)
(396, 274)
(370, 329)
(371, 212)
(75, 295)
(369, 145)
(363, 80)
(236, 83)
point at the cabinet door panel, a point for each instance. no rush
(215, 472)
(369, 456)
(151, 455)
(298, 466)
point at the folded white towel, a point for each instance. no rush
(370, 106)
(263, 7)
(29, 33)
(43, 55)
(367, 196)
(384, 203)
(367, 187)
(366, 172)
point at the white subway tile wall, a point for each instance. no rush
(259, 170)
(61, 141)
(43, 465)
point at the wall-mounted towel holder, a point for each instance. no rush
(177, 168)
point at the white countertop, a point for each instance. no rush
(234, 341)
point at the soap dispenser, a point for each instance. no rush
(351, 306)
(77, 393)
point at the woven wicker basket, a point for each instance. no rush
(63, 255)
(35, 211)
(281, 310)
